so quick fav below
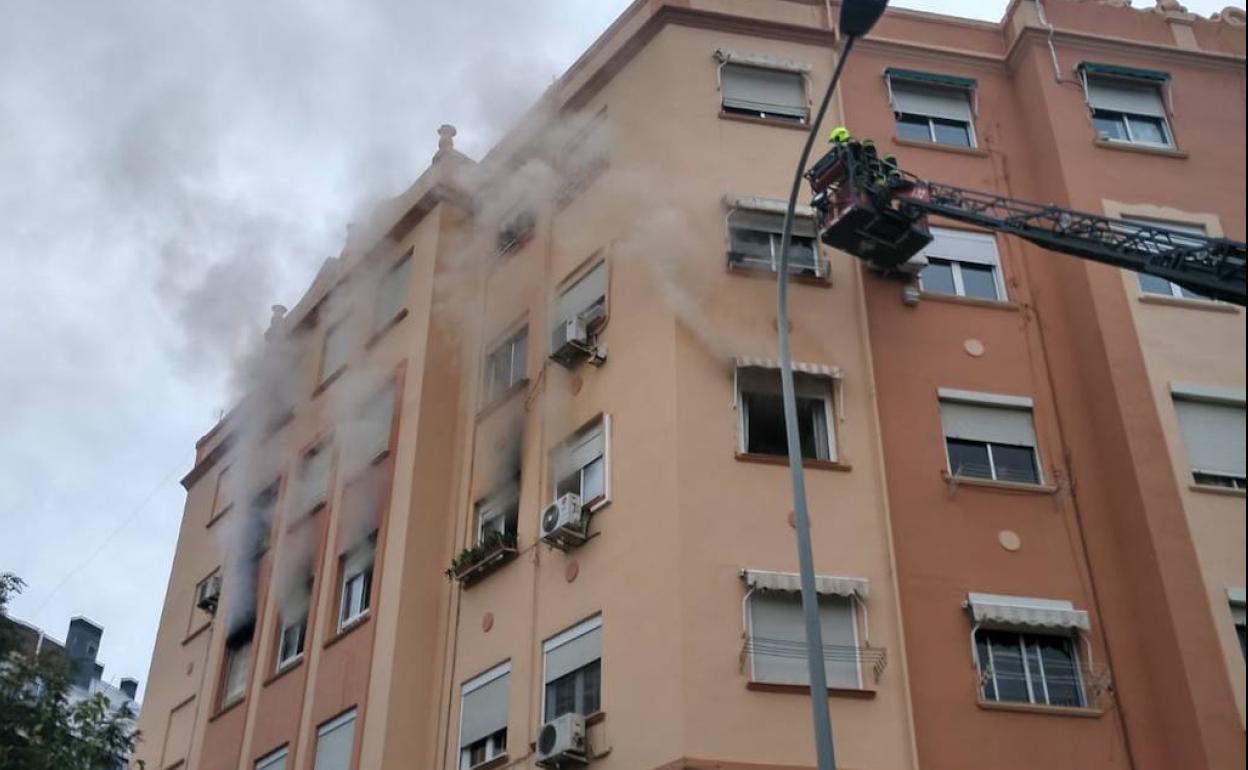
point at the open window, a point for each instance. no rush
(755, 229)
(580, 313)
(757, 87)
(931, 107)
(989, 436)
(1128, 104)
(572, 663)
(392, 293)
(237, 664)
(483, 717)
(1213, 425)
(355, 593)
(582, 465)
(760, 409)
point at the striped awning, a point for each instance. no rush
(767, 205)
(1024, 612)
(818, 370)
(827, 585)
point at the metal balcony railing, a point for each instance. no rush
(874, 659)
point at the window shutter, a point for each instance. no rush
(763, 90)
(334, 742)
(765, 222)
(962, 246)
(998, 425)
(484, 707)
(1125, 96)
(274, 761)
(582, 294)
(565, 655)
(378, 416)
(778, 639)
(392, 295)
(1214, 435)
(583, 449)
(948, 103)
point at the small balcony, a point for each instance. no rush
(493, 551)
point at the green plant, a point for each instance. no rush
(473, 555)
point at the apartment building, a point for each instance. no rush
(515, 462)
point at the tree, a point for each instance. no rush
(41, 726)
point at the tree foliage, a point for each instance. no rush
(41, 726)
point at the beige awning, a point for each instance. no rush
(1025, 612)
(826, 585)
(818, 370)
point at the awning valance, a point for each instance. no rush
(817, 370)
(765, 580)
(767, 205)
(1025, 612)
(949, 81)
(1119, 71)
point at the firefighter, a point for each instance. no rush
(839, 135)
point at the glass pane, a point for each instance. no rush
(764, 424)
(569, 485)
(519, 358)
(802, 255)
(913, 127)
(811, 427)
(952, 132)
(1109, 125)
(1147, 129)
(1015, 463)
(978, 281)
(968, 458)
(751, 246)
(986, 686)
(1061, 673)
(593, 482)
(561, 696)
(1151, 284)
(1007, 666)
(937, 277)
(591, 687)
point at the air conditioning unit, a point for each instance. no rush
(561, 742)
(209, 594)
(569, 343)
(912, 266)
(565, 524)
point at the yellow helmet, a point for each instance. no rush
(839, 134)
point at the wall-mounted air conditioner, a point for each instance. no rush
(569, 343)
(209, 594)
(561, 742)
(565, 524)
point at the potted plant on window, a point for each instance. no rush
(492, 551)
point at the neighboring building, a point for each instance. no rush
(1027, 489)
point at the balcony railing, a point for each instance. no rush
(1082, 687)
(874, 659)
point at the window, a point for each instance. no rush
(507, 365)
(334, 352)
(274, 761)
(221, 497)
(760, 412)
(762, 92)
(1042, 669)
(335, 741)
(517, 227)
(1151, 284)
(1212, 422)
(314, 478)
(586, 298)
(483, 717)
(357, 583)
(754, 242)
(392, 293)
(584, 157)
(962, 264)
(989, 437)
(1127, 104)
(375, 425)
(290, 640)
(237, 665)
(499, 513)
(262, 513)
(777, 639)
(1237, 600)
(581, 464)
(573, 671)
(932, 108)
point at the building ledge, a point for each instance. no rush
(860, 693)
(351, 627)
(954, 299)
(292, 665)
(1165, 152)
(325, 383)
(1032, 708)
(227, 708)
(977, 152)
(384, 328)
(774, 122)
(498, 401)
(822, 465)
(1002, 486)
(1213, 489)
(1190, 303)
(219, 515)
(194, 634)
(824, 280)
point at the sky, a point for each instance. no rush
(167, 172)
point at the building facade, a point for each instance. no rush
(517, 454)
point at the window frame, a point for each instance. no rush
(403, 263)
(508, 345)
(1206, 396)
(853, 613)
(366, 555)
(739, 261)
(1124, 118)
(270, 761)
(944, 85)
(492, 750)
(989, 401)
(503, 503)
(350, 716)
(827, 385)
(992, 466)
(596, 503)
(322, 448)
(286, 661)
(762, 63)
(1027, 645)
(571, 634)
(340, 326)
(956, 262)
(239, 648)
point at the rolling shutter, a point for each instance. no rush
(757, 89)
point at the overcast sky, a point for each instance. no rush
(167, 171)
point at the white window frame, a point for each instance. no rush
(829, 387)
(558, 640)
(347, 717)
(1229, 398)
(284, 660)
(729, 58)
(1028, 675)
(1166, 128)
(270, 761)
(605, 420)
(508, 344)
(361, 560)
(956, 262)
(854, 605)
(492, 751)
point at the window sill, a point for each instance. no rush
(1147, 149)
(956, 299)
(1003, 486)
(1188, 302)
(1032, 708)
(383, 329)
(824, 281)
(196, 632)
(325, 383)
(776, 122)
(974, 151)
(176, 765)
(823, 465)
(859, 693)
(218, 516)
(303, 518)
(291, 665)
(491, 764)
(227, 708)
(1213, 489)
(359, 621)
(497, 402)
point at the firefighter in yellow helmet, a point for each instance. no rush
(839, 135)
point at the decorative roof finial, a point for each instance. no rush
(446, 138)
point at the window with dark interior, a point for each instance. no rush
(990, 440)
(760, 407)
(573, 671)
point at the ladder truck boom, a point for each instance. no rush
(877, 212)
